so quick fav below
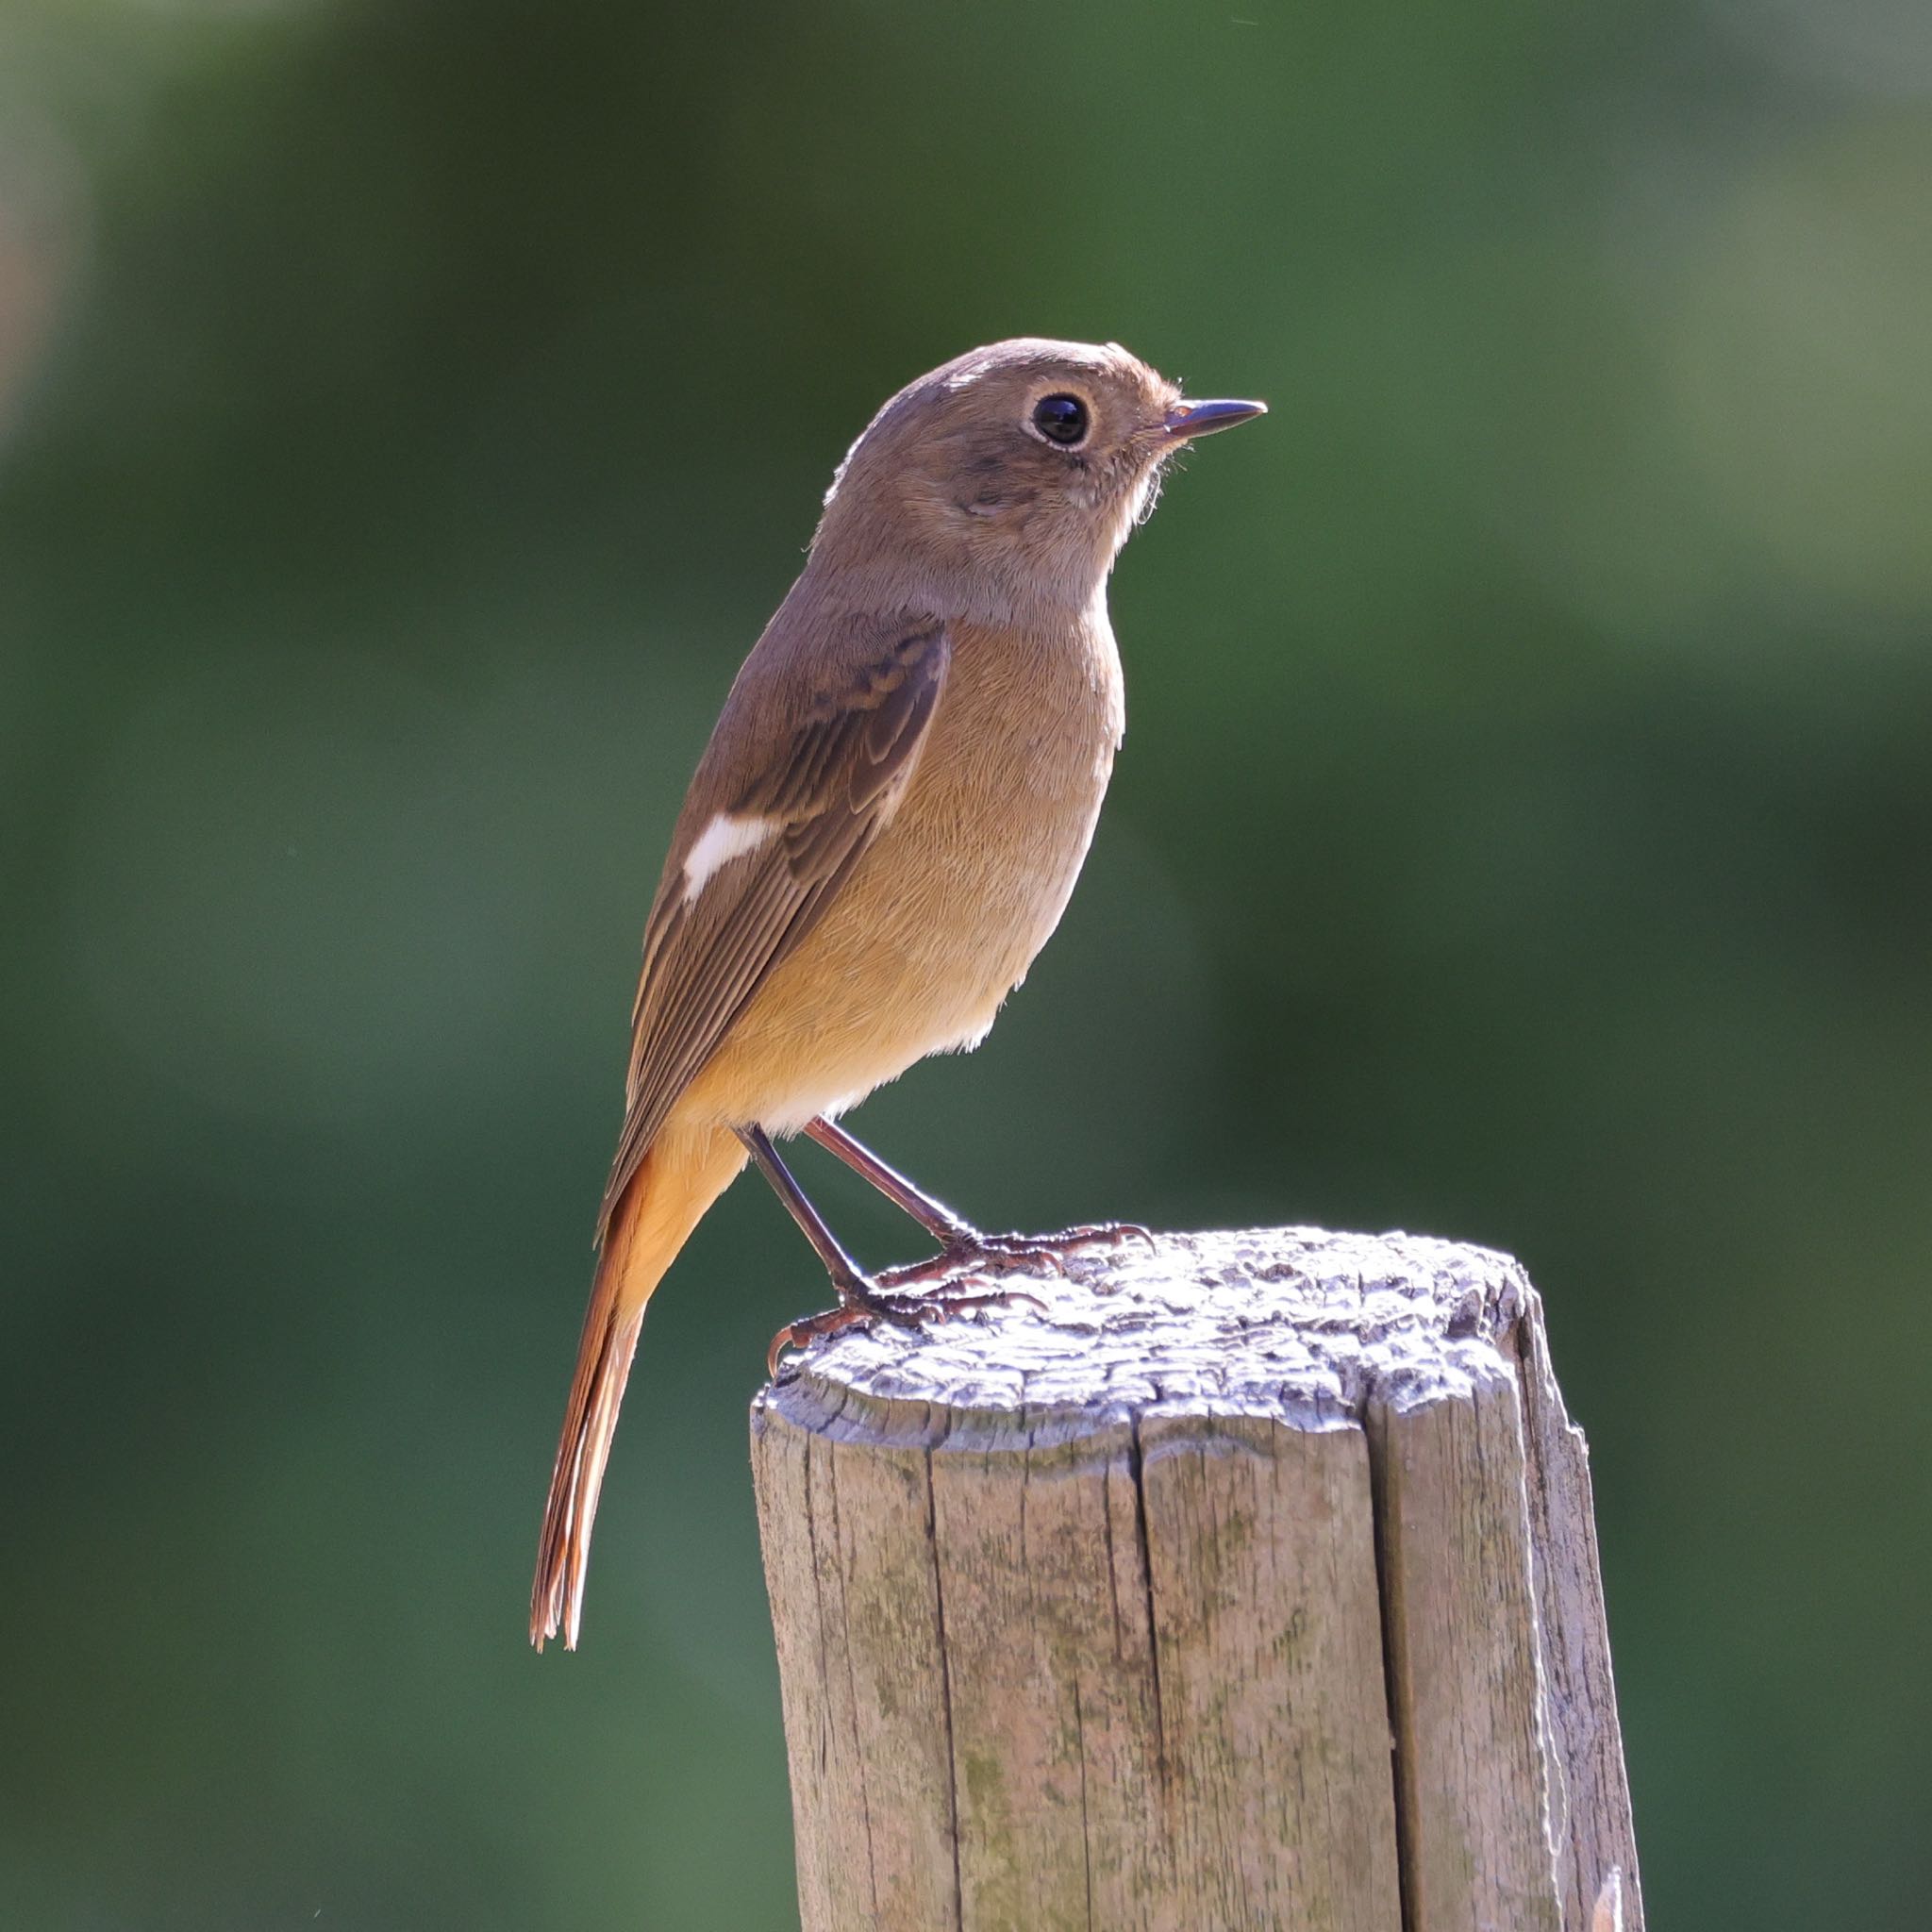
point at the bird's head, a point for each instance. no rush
(1025, 464)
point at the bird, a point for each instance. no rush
(881, 834)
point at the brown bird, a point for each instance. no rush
(881, 834)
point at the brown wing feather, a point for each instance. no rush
(831, 784)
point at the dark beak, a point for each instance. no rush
(1201, 419)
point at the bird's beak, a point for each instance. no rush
(1201, 419)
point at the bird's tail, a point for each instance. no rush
(678, 1181)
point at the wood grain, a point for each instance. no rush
(1242, 1586)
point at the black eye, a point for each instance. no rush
(1061, 419)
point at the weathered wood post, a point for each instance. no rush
(1251, 1586)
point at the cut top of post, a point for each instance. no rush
(1289, 1324)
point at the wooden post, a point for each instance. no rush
(1251, 1588)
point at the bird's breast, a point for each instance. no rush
(943, 914)
(996, 821)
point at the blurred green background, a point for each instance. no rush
(408, 414)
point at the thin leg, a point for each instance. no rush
(947, 1228)
(964, 1249)
(847, 1276)
(859, 1303)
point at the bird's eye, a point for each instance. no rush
(1061, 419)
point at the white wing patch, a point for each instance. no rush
(727, 837)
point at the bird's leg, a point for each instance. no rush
(847, 1276)
(947, 1228)
(860, 1303)
(964, 1249)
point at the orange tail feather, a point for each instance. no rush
(678, 1180)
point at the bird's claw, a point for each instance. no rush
(861, 1311)
(967, 1255)
(1110, 1234)
(971, 1253)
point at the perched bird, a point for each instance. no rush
(881, 834)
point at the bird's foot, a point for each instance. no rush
(969, 1253)
(861, 1304)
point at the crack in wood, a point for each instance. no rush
(1376, 1694)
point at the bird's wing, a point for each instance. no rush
(769, 833)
